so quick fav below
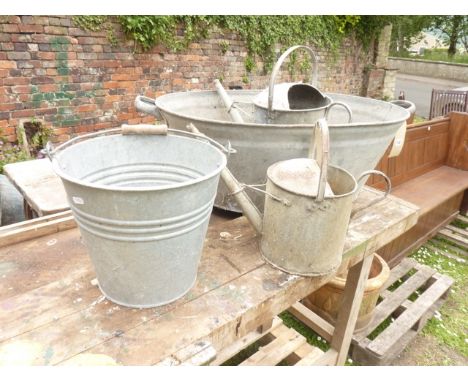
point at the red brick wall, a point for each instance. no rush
(76, 81)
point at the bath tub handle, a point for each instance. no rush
(342, 104)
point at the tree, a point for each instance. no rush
(407, 30)
(453, 29)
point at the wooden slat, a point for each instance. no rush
(409, 317)
(458, 138)
(452, 248)
(228, 352)
(311, 358)
(312, 320)
(277, 350)
(462, 232)
(458, 239)
(40, 227)
(328, 358)
(399, 271)
(463, 218)
(445, 253)
(349, 310)
(40, 186)
(395, 298)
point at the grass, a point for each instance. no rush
(418, 119)
(447, 327)
(436, 55)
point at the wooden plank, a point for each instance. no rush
(312, 320)
(399, 271)
(311, 358)
(233, 296)
(445, 253)
(395, 298)
(32, 222)
(350, 305)
(458, 141)
(462, 232)
(35, 263)
(409, 317)
(277, 350)
(228, 352)
(75, 293)
(329, 358)
(454, 237)
(463, 218)
(433, 188)
(27, 231)
(40, 186)
(447, 246)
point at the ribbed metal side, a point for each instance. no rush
(144, 230)
(144, 174)
(143, 205)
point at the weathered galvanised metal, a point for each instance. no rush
(142, 203)
(307, 202)
(356, 146)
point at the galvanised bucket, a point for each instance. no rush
(142, 203)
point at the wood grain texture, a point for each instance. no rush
(59, 314)
(458, 141)
(39, 185)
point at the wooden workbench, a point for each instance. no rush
(41, 188)
(52, 313)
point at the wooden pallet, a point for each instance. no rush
(408, 310)
(455, 234)
(278, 344)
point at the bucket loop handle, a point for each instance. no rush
(320, 151)
(388, 189)
(130, 130)
(342, 104)
(276, 68)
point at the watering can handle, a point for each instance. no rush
(388, 189)
(147, 105)
(277, 67)
(320, 152)
(342, 104)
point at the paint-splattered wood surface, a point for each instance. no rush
(40, 186)
(52, 313)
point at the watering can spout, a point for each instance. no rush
(237, 191)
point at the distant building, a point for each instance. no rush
(428, 41)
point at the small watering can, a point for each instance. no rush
(296, 103)
(307, 209)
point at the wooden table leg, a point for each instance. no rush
(351, 303)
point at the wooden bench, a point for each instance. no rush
(431, 172)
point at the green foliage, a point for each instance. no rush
(454, 30)
(436, 55)
(407, 31)
(263, 35)
(10, 153)
(90, 23)
(224, 45)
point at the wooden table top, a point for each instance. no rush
(39, 185)
(51, 312)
